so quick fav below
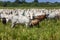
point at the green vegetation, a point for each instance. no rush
(30, 7)
(23, 3)
(49, 30)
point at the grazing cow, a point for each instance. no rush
(52, 15)
(34, 22)
(20, 19)
(4, 21)
(40, 16)
(27, 16)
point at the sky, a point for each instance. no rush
(38, 0)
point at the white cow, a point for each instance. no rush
(20, 19)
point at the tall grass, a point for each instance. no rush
(49, 30)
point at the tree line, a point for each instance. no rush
(23, 3)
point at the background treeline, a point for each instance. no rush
(23, 3)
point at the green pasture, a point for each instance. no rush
(48, 30)
(30, 7)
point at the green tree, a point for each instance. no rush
(1, 3)
(23, 1)
(5, 4)
(36, 1)
(17, 1)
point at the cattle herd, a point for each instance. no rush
(29, 17)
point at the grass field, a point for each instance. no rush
(49, 30)
(29, 7)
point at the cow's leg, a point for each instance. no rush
(13, 25)
(26, 25)
(30, 25)
(38, 25)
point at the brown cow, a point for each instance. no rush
(34, 22)
(41, 17)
